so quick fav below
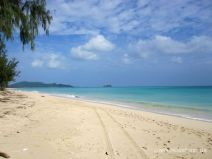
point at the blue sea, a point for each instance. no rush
(187, 102)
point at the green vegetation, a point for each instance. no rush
(36, 84)
(21, 17)
(8, 70)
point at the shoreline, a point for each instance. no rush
(137, 108)
(37, 125)
(121, 105)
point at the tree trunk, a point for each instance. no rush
(2, 86)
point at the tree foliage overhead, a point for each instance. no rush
(8, 70)
(23, 17)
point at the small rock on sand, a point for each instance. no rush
(2, 154)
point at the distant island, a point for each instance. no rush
(25, 84)
(107, 85)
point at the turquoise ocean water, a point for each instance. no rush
(188, 102)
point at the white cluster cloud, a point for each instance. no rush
(80, 53)
(89, 50)
(177, 59)
(134, 19)
(117, 16)
(166, 45)
(37, 63)
(51, 60)
(54, 61)
(126, 59)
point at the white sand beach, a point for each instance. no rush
(40, 126)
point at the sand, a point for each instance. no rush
(39, 126)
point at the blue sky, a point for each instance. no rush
(123, 43)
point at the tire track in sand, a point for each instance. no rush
(107, 139)
(141, 152)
